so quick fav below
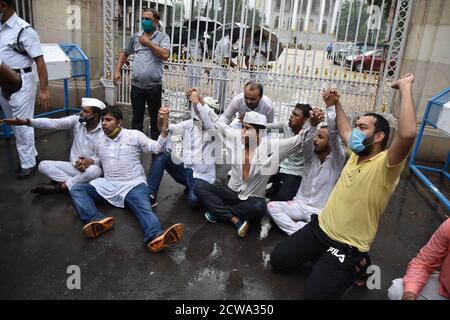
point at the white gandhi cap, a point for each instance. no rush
(254, 117)
(92, 102)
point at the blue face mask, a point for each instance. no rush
(147, 25)
(355, 142)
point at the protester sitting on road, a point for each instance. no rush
(255, 158)
(339, 239)
(422, 280)
(86, 130)
(119, 151)
(197, 162)
(286, 182)
(324, 160)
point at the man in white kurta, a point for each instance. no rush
(197, 162)
(255, 159)
(86, 129)
(119, 152)
(318, 181)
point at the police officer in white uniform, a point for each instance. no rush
(19, 48)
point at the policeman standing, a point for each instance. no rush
(19, 47)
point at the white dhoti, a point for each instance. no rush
(64, 171)
(21, 105)
(291, 216)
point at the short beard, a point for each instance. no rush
(367, 150)
(369, 147)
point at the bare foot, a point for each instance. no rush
(403, 80)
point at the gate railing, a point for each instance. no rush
(298, 32)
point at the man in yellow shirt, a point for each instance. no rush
(339, 239)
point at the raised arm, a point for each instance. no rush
(227, 134)
(230, 112)
(331, 98)
(407, 121)
(65, 123)
(287, 146)
(337, 150)
(151, 146)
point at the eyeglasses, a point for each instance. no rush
(145, 18)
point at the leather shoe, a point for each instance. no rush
(19, 167)
(25, 173)
(47, 188)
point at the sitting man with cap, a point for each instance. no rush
(254, 159)
(197, 163)
(87, 129)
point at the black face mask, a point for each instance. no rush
(85, 121)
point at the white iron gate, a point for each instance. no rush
(367, 38)
(24, 10)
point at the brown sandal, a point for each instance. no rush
(171, 235)
(95, 228)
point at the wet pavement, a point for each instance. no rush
(40, 236)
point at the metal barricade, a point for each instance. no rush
(437, 115)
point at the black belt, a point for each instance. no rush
(25, 70)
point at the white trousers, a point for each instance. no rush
(21, 105)
(429, 292)
(63, 171)
(291, 216)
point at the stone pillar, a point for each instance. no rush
(427, 50)
(308, 13)
(337, 7)
(268, 12)
(322, 13)
(427, 56)
(294, 16)
(79, 22)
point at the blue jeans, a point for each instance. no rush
(137, 199)
(178, 172)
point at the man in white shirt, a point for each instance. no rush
(197, 162)
(287, 181)
(252, 99)
(255, 159)
(324, 160)
(86, 129)
(119, 151)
